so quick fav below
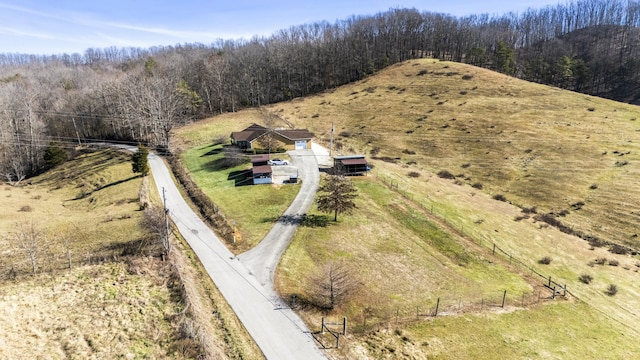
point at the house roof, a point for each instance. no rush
(262, 169)
(296, 134)
(255, 131)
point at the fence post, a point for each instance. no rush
(322, 331)
(494, 249)
(549, 281)
(437, 306)
(504, 297)
(344, 326)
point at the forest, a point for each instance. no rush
(50, 103)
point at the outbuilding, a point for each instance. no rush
(350, 165)
(261, 170)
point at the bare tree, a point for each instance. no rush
(30, 239)
(156, 222)
(334, 284)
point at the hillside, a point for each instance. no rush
(97, 287)
(564, 153)
(428, 240)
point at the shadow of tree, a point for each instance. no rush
(305, 220)
(241, 178)
(313, 221)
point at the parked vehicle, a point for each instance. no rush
(276, 162)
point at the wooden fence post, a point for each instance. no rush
(344, 326)
(322, 331)
(494, 249)
(437, 306)
(504, 297)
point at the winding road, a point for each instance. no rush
(246, 281)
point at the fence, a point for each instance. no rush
(370, 320)
(547, 281)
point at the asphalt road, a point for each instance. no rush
(246, 284)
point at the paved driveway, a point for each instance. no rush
(263, 259)
(246, 285)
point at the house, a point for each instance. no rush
(350, 165)
(261, 171)
(296, 139)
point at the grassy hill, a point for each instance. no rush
(99, 288)
(522, 162)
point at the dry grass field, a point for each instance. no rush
(99, 291)
(520, 156)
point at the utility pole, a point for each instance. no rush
(167, 244)
(331, 140)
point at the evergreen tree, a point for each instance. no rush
(338, 197)
(139, 160)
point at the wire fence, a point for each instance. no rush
(546, 280)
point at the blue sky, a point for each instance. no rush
(68, 26)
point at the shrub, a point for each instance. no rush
(591, 109)
(467, 77)
(423, 72)
(585, 278)
(345, 134)
(614, 262)
(499, 197)
(477, 185)
(26, 208)
(593, 186)
(600, 261)
(444, 174)
(414, 174)
(408, 152)
(612, 289)
(618, 249)
(545, 260)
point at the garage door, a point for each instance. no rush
(301, 145)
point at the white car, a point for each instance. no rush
(278, 162)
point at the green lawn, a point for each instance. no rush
(254, 208)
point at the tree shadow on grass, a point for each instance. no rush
(215, 151)
(241, 178)
(305, 220)
(85, 194)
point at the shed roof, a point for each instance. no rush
(259, 158)
(262, 169)
(358, 161)
(348, 157)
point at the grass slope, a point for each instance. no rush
(114, 302)
(431, 237)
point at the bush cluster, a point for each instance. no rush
(207, 208)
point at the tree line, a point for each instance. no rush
(140, 95)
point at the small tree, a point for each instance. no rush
(54, 155)
(338, 196)
(333, 285)
(139, 161)
(29, 239)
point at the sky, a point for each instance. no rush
(46, 27)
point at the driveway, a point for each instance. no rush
(263, 259)
(247, 284)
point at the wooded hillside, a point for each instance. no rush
(140, 95)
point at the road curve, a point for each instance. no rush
(263, 259)
(276, 329)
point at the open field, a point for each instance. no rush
(100, 290)
(540, 149)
